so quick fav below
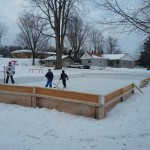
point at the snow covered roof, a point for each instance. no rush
(91, 56)
(113, 56)
(22, 51)
(107, 56)
(97, 55)
(54, 57)
(30, 51)
(94, 56)
(50, 53)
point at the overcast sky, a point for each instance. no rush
(10, 9)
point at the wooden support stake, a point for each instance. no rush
(33, 101)
(100, 112)
(138, 88)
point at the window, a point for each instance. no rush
(100, 62)
(54, 63)
(89, 61)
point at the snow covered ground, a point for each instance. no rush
(126, 127)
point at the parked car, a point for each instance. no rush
(77, 65)
(86, 67)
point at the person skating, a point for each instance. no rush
(49, 75)
(64, 77)
(10, 72)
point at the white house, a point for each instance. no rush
(93, 59)
(51, 61)
(120, 60)
(113, 60)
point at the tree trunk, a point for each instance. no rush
(33, 59)
(59, 48)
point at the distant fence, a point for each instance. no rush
(36, 70)
(84, 104)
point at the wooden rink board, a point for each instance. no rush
(16, 88)
(12, 98)
(109, 97)
(67, 106)
(83, 104)
(93, 98)
(86, 97)
(144, 82)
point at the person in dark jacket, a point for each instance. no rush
(49, 75)
(10, 72)
(64, 77)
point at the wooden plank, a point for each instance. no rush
(15, 88)
(66, 106)
(68, 94)
(65, 99)
(118, 93)
(128, 88)
(11, 98)
(16, 93)
(116, 98)
(113, 95)
(144, 82)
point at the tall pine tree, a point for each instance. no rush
(145, 54)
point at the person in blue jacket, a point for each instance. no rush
(49, 75)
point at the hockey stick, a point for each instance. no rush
(56, 86)
(58, 83)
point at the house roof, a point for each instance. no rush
(54, 57)
(30, 51)
(107, 56)
(50, 53)
(91, 56)
(113, 56)
(97, 55)
(22, 51)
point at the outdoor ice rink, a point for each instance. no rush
(89, 83)
(93, 80)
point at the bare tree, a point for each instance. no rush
(77, 34)
(30, 34)
(56, 13)
(134, 16)
(3, 31)
(112, 46)
(96, 40)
